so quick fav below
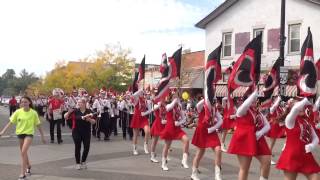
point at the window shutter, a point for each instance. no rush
(241, 40)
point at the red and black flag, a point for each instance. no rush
(270, 83)
(142, 69)
(318, 69)
(212, 76)
(175, 64)
(164, 62)
(163, 85)
(135, 82)
(308, 73)
(246, 70)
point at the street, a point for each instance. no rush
(111, 160)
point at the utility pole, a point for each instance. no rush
(283, 71)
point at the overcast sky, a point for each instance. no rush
(34, 34)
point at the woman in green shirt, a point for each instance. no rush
(25, 119)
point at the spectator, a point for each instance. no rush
(25, 119)
(12, 105)
(81, 118)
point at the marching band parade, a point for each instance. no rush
(254, 118)
(246, 128)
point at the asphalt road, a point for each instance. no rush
(111, 160)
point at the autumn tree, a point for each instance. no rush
(111, 67)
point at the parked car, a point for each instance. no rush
(5, 100)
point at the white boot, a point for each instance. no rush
(223, 147)
(146, 150)
(135, 151)
(153, 157)
(262, 178)
(218, 175)
(184, 161)
(168, 158)
(194, 175)
(164, 164)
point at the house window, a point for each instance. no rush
(294, 38)
(227, 44)
(256, 32)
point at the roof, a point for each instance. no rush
(192, 60)
(215, 13)
(223, 7)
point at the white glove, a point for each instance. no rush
(176, 123)
(210, 130)
(309, 147)
(163, 121)
(233, 116)
(143, 113)
(318, 125)
(258, 135)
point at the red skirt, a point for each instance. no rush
(243, 142)
(295, 159)
(157, 127)
(138, 121)
(171, 132)
(202, 139)
(276, 131)
(227, 123)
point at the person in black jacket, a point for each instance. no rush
(82, 119)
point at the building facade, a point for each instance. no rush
(236, 22)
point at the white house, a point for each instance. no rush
(236, 22)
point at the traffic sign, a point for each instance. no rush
(283, 75)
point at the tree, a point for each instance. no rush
(110, 67)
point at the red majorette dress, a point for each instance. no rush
(314, 115)
(294, 157)
(172, 132)
(201, 137)
(276, 131)
(243, 141)
(139, 121)
(227, 122)
(157, 126)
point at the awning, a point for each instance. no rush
(222, 91)
(291, 91)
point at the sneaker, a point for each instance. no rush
(78, 167)
(28, 172)
(273, 163)
(52, 141)
(22, 177)
(84, 165)
(60, 141)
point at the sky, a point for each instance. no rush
(35, 34)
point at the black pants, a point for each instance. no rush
(78, 139)
(123, 123)
(12, 109)
(52, 124)
(94, 129)
(114, 125)
(104, 126)
(130, 131)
